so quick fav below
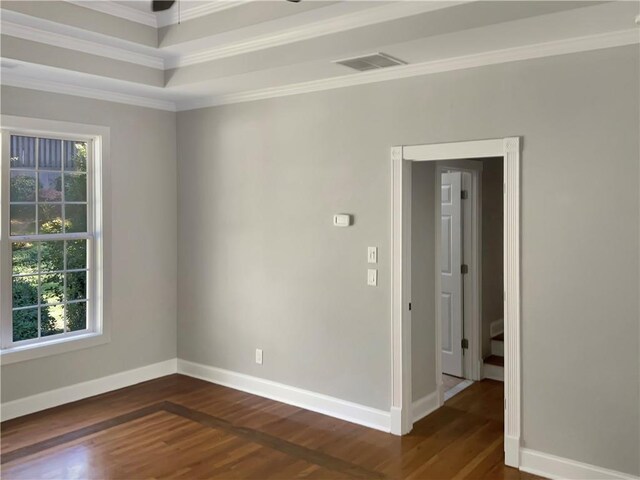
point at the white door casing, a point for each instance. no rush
(401, 156)
(450, 273)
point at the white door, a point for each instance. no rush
(451, 274)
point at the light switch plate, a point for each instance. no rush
(372, 277)
(259, 356)
(372, 254)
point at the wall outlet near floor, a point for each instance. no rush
(259, 356)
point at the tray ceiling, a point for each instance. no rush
(230, 51)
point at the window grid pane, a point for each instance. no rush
(48, 195)
(23, 152)
(46, 289)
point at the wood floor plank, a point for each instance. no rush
(184, 428)
(275, 443)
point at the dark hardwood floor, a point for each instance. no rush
(180, 427)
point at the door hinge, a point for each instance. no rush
(409, 306)
(464, 194)
(464, 268)
(465, 343)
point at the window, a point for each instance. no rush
(51, 245)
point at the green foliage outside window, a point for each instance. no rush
(25, 287)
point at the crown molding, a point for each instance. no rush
(308, 31)
(15, 80)
(73, 43)
(559, 47)
(80, 33)
(118, 10)
(528, 52)
(188, 12)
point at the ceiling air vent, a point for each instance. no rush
(370, 62)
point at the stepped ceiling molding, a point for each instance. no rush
(226, 51)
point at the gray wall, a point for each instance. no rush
(423, 279)
(143, 242)
(81, 17)
(261, 266)
(492, 248)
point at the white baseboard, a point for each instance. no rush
(316, 402)
(425, 405)
(531, 461)
(512, 451)
(550, 466)
(395, 421)
(60, 396)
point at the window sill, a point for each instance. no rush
(55, 347)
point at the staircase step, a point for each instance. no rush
(494, 360)
(493, 368)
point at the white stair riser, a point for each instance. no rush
(493, 372)
(497, 348)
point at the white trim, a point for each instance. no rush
(64, 29)
(77, 44)
(161, 19)
(511, 265)
(401, 158)
(401, 275)
(452, 392)
(395, 421)
(342, 23)
(559, 47)
(316, 402)
(6, 320)
(98, 176)
(548, 49)
(190, 12)
(512, 451)
(452, 151)
(14, 80)
(72, 393)
(553, 467)
(493, 372)
(119, 10)
(425, 405)
(44, 349)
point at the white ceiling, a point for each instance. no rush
(229, 51)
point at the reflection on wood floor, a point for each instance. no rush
(180, 427)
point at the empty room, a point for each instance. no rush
(277, 239)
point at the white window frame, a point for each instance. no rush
(97, 331)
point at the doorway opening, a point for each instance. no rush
(469, 205)
(404, 249)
